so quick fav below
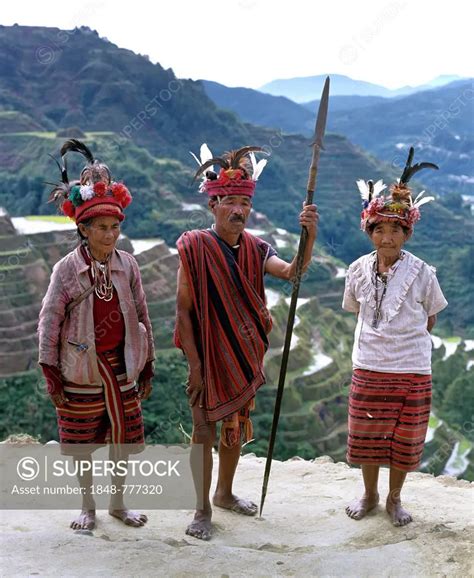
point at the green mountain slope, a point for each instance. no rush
(161, 186)
(63, 78)
(262, 109)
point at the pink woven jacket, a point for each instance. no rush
(68, 341)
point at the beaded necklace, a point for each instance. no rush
(384, 279)
(101, 274)
(378, 304)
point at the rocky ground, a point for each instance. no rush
(304, 532)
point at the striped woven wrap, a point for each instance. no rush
(110, 413)
(232, 320)
(388, 418)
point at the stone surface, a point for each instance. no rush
(304, 532)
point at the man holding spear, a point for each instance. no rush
(222, 321)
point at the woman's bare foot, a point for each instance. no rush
(235, 504)
(85, 521)
(359, 508)
(399, 516)
(201, 526)
(129, 517)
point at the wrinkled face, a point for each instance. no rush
(388, 238)
(232, 213)
(102, 234)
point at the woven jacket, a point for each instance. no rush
(67, 341)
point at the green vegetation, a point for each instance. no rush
(49, 218)
(31, 411)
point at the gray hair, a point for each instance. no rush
(80, 237)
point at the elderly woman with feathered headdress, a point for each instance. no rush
(95, 337)
(396, 297)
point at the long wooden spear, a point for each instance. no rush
(313, 171)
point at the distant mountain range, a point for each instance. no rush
(437, 121)
(278, 111)
(303, 89)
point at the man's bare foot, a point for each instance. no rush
(129, 517)
(399, 516)
(359, 508)
(235, 504)
(85, 521)
(201, 526)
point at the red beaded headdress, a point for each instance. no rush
(238, 174)
(94, 194)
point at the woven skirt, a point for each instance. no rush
(388, 418)
(110, 413)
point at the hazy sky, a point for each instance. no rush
(250, 42)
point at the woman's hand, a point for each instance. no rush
(59, 399)
(431, 322)
(54, 384)
(145, 388)
(195, 386)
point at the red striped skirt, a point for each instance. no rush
(388, 418)
(110, 413)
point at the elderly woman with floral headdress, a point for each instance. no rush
(396, 297)
(95, 336)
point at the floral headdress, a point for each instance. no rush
(94, 194)
(238, 173)
(399, 204)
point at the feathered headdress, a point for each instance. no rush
(94, 194)
(399, 204)
(239, 171)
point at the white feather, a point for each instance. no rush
(257, 168)
(205, 154)
(421, 202)
(253, 160)
(378, 188)
(418, 197)
(363, 189)
(195, 158)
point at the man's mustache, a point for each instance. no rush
(237, 219)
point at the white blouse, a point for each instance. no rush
(401, 342)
